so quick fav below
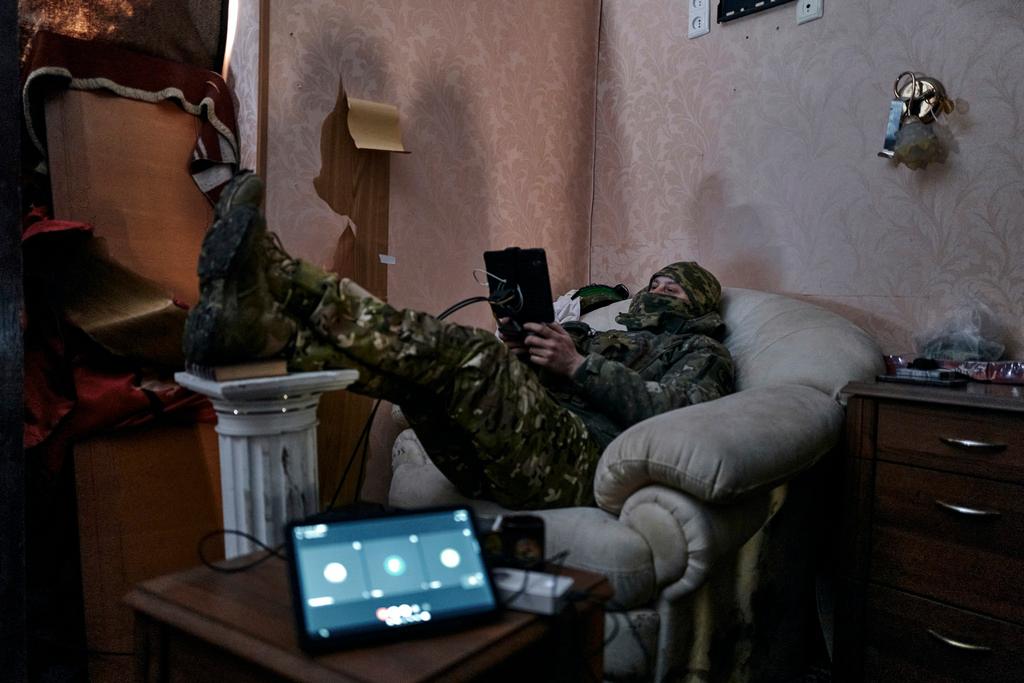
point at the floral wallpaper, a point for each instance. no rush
(242, 77)
(753, 150)
(596, 129)
(497, 108)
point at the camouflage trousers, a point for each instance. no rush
(483, 416)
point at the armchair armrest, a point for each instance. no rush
(724, 449)
(687, 535)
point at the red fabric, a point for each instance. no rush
(73, 388)
(47, 225)
(57, 62)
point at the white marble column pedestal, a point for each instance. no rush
(267, 439)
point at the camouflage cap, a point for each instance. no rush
(649, 310)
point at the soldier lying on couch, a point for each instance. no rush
(522, 423)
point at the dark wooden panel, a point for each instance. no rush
(914, 434)
(354, 183)
(118, 475)
(12, 470)
(970, 561)
(900, 647)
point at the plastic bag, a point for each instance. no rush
(970, 333)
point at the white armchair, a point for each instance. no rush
(701, 515)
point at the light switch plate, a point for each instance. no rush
(700, 18)
(808, 10)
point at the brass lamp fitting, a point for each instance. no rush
(923, 97)
(910, 139)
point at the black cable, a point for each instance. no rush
(271, 552)
(558, 560)
(615, 631)
(502, 296)
(364, 435)
(462, 304)
(366, 455)
(648, 659)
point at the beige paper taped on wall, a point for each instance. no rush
(374, 126)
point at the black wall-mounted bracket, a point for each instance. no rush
(737, 9)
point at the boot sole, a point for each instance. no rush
(217, 259)
(224, 241)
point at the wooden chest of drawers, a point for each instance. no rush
(931, 574)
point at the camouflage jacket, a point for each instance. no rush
(629, 376)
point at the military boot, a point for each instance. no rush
(237, 319)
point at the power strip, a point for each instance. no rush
(531, 591)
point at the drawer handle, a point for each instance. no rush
(972, 512)
(972, 445)
(960, 645)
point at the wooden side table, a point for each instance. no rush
(932, 542)
(201, 625)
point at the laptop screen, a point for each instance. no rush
(355, 578)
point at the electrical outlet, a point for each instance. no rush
(808, 10)
(700, 18)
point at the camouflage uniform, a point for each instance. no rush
(494, 425)
(497, 427)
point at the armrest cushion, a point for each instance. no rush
(724, 449)
(686, 536)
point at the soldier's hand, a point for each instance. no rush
(513, 342)
(551, 347)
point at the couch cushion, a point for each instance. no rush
(778, 340)
(775, 339)
(724, 449)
